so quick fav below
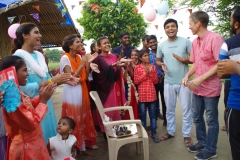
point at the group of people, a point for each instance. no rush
(127, 76)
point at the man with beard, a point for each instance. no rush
(175, 51)
(125, 49)
(206, 86)
(152, 43)
(231, 50)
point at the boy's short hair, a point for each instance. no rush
(145, 37)
(170, 20)
(151, 37)
(123, 34)
(71, 122)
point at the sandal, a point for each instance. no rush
(94, 147)
(155, 138)
(188, 141)
(166, 136)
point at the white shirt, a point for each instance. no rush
(61, 149)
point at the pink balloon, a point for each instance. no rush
(150, 13)
(12, 30)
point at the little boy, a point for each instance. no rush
(62, 146)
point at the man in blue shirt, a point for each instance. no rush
(125, 49)
(152, 43)
(231, 50)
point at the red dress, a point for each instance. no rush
(23, 128)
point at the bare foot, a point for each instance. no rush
(87, 153)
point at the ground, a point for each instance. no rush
(172, 149)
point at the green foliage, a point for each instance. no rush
(109, 22)
(54, 55)
(222, 12)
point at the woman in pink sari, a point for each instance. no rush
(109, 82)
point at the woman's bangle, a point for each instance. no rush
(49, 80)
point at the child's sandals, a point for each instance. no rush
(155, 138)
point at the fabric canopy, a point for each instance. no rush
(4, 3)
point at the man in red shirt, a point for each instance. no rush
(206, 86)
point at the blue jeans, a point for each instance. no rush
(152, 114)
(210, 104)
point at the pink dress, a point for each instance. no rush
(23, 128)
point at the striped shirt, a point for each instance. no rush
(231, 50)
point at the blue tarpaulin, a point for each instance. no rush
(4, 3)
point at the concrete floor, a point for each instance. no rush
(172, 149)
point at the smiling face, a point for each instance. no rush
(33, 38)
(152, 44)
(171, 30)
(125, 40)
(104, 45)
(134, 55)
(22, 75)
(77, 45)
(194, 26)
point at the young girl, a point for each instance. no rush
(108, 82)
(63, 144)
(130, 88)
(145, 76)
(76, 103)
(23, 124)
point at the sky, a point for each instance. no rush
(182, 16)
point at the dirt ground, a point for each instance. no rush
(172, 149)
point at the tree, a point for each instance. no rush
(221, 9)
(111, 19)
(54, 55)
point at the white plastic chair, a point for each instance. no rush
(115, 143)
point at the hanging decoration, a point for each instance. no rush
(181, 22)
(11, 19)
(73, 6)
(119, 10)
(85, 8)
(102, 8)
(156, 26)
(37, 7)
(35, 16)
(12, 30)
(80, 2)
(142, 3)
(174, 11)
(121, 1)
(105, 2)
(94, 7)
(163, 7)
(190, 11)
(64, 11)
(115, 26)
(136, 11)
(112, 35)
(129, 27)
(58, 5)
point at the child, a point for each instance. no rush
(130, 88)
(145, 76)
(63, 144)
(23, 122)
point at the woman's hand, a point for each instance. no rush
(61, 78)
(91, 57)
(124, 59)
(53, 72)
(46, 92)
(94, 67)
(73, 81)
